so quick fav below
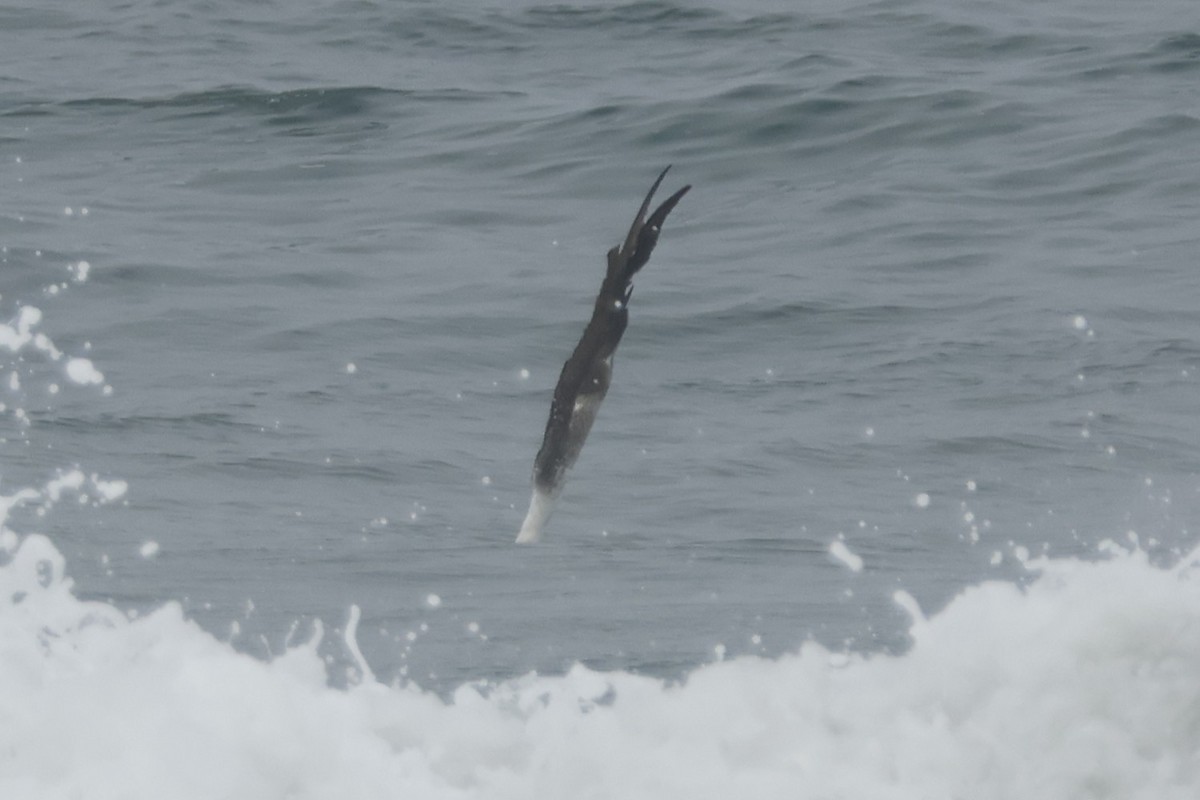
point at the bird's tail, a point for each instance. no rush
(634, 252)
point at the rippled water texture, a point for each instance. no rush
(931, 304)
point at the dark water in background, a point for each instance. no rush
(929, 244)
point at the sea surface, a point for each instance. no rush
(896, 493)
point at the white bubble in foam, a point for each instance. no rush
(72, 479)
(17, 336)
(81, 370)
(109, 490)
(843, 554)
(922, 500)
(43, 342)
(149, 549)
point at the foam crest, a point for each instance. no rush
(1079, 685)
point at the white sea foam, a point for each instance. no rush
(109, 491)
(19, 333)
(69, 480)
(82, 370)
(1081, 685)
(845, 556)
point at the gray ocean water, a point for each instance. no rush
(933, 295)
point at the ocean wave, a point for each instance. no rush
(1080, 684)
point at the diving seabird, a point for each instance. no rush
(585, 377)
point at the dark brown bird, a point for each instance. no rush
(586, 375)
